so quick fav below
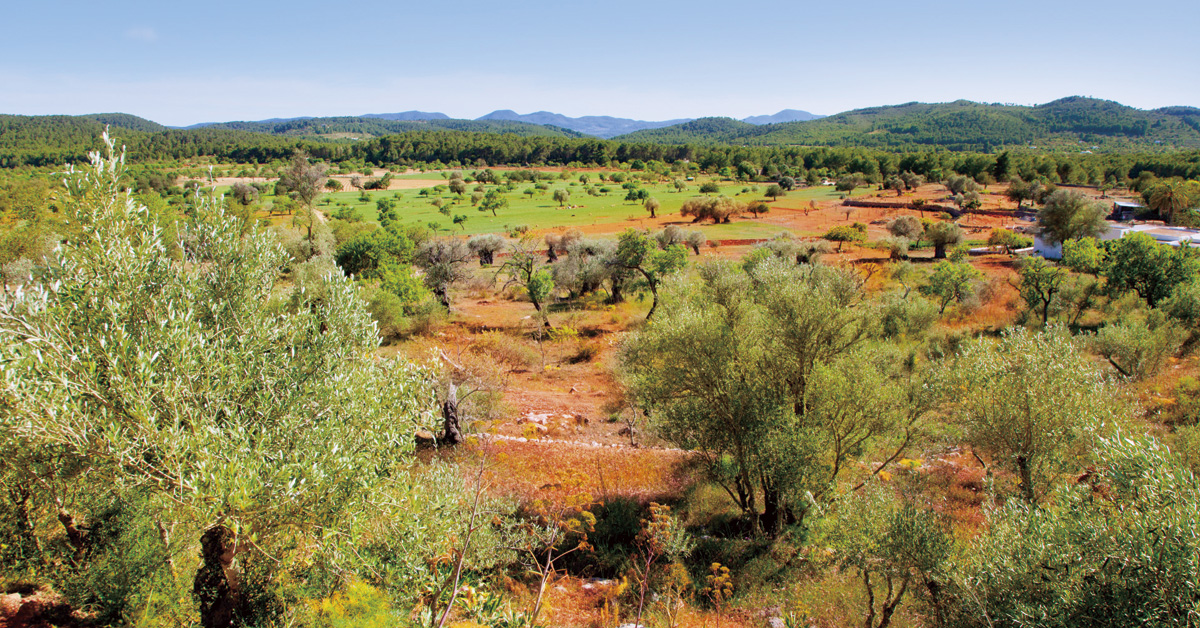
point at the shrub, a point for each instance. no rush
(1008, 240)
(910, 316)
(1116, 549)
(506, 350)
(843, 234)
(1137, 348)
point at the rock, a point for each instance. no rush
(776, 622)
(560, 588)
(540, 429)
(625, 431)
(9, 605)
(425, 439)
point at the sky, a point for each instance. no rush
(182, 62)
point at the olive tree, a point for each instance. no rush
(493, 201)
(942, 235)
(908, 227)
(1032, 401)
(486, 246)
(187, 379)
(651, 204)
(444, 262)
(1069, 215)
(897, 546)
(637, 253)
(752, 369)
(1040, 285)
(303, 181)
(588, 263)
(1117, 548)
(523, 269)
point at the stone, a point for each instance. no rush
(425, 439)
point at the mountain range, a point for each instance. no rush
(605, 127)
(1074, 123)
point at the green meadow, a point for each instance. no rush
(540, 212)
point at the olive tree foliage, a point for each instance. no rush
(909, 227)
(1069, 215)
(1139, 346)
(444, 262)
(651, 204)
(942, 235)
(1116, 549)
(960, 184)
(1137, 262)
(718, 209)
(523, 269)
(1032, 401)
(486, 246)
(588, 263)
(303, 182)
(638, 254)
(243, 414)
(672, 235)
(898, 547)
(758, 371)
(1041, 285)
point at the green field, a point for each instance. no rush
(541, 213)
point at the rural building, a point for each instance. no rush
(1125, 210)
(1171, 236)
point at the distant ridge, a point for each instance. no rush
(1074, 122)
(365, 127)
(600, 126)
(408, 116)
(787, 115)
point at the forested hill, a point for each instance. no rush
(55, 140)
(362, 127)
(961, 125)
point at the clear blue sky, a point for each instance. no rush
(180, 62)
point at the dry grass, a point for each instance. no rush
(531, 470)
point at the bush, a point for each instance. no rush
(426, 317)
(506, 350)
(1117, 549)
(1136, 348)
(897, 246)
(1008, 241)
(388, 312)
(909, 317)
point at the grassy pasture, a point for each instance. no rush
(594, 214)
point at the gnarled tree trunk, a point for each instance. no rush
(451, 427)
(217, 587)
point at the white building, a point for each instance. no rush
(1171, 236)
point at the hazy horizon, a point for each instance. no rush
(254, 61)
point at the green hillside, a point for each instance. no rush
(375, 127)
(1073, 122)
(55, 140)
